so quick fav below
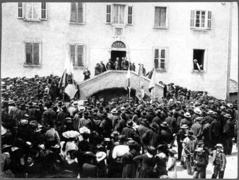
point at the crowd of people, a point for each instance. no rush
(44, 136)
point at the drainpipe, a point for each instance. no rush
(229, 50)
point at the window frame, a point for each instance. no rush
(204, 60)
(110, 13)
(124, 19)
(40, 54)
(207, 19)
(76, 54)
(159, 58)
(25, 18)
(83, 14)
(166, 19)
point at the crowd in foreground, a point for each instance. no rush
(44, 137)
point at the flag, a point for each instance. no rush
(128, 79)
(152, 82)
(71, 90)
(67, 74)
(140, 89)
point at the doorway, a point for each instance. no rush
(119, 54)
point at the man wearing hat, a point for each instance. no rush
(200, 163)
(197, 127)
(219, 161)
(151, 137)
(166, 136)
(186, 120)
(189, 145)
(181, 135)
(228, 134)
(114, 117)
(49, 115)
(129, 132)
(216, 129)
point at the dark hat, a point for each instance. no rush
(132, 143)
(190, 133)
(162, 146)
(144, 122)
(114, 133)
(151, 150)
(33, 123)
(130, 123)
(68, 120)
(154, 126)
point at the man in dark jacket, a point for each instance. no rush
(215, 130)
(48, 115)
(197, 128)
(228, 133)
(129, 132)
(151, 137)
(200, 162)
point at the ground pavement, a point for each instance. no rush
(231, 171)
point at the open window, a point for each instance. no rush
(198, 59)
(77, 52)
(32, 11)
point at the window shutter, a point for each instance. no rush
(108, 13)
(156, 18)
(73, 12)
(80, 12)
(209, 19)
(28, 53)
(35, 53)
(72, 54)
(192, 21)
(20, 10)
(43, 10)
(156, 58)
(80, 51)
(130, 14)
(162, 59)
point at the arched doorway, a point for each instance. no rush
(118, 49)
(114, 93)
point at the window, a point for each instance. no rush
(77, 54)
(108, 13)
(32, 11)
(130, 12)
(160, 19)
(160, 56)
(198, 59)
(201, 19)
(118, 14)
(32, 50)
(77, 13)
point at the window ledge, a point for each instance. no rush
(160, 27)
(32, 65)
(200, 29)
(161, 70)
(108, 23)
(31, 20)
(197, 71)
(77, 23)
(78, 67)
(129, 24)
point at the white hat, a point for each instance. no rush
(197, 111)
(100, 156)
(219, 145)
(3, 130)
(199, 149)
(70, 134)
(84, 130)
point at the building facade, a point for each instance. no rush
(37, 38)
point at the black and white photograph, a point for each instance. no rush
(119, 89)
